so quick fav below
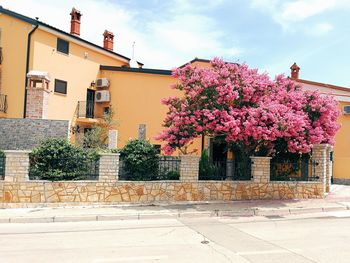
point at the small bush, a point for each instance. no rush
(2, 154)
(140, 160)
(57, 159)
(207, 170)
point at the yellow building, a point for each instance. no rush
(47, 73)
(341, 157)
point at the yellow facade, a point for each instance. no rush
(135, 95)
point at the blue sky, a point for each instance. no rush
(265, 34)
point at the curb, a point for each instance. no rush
(172, 215)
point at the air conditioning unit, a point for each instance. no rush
(346, 109)
(102, 96)
(102, 83)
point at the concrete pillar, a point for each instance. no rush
(16, 166)
(189, 168)
(319, 161)
(329, 168)
(260, 169)
(109, 167)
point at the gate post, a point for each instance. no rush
(108, 167)
(329, 168)
(260, 169)
(319, 161)
(16, 166)
(189, 168)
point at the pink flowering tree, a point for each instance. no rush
(246, 109)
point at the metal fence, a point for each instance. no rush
(168, 169)
(85, 109)
(225, 170)
(293, 169)
(68, 169)
(3, 103)
(2, 168)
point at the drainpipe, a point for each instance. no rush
(27, 69)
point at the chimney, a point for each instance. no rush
(108, 40)
(75, 22)
(294, 73)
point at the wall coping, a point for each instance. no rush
(109, 154)
(17, 151)
(321, 145)
(260, 157)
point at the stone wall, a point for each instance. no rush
(23, 194)
(23, 134)
(16, 190)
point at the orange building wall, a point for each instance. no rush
(14, 35)
(136, 99)
(341, 168)
(74, 68)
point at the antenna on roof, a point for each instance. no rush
(133, 62)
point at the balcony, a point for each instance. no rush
(85, 112)
(3, 103)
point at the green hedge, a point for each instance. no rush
(57, 159)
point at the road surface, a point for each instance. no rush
(323, 237)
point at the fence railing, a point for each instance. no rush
(225, 170)
(3, 103)
(300, 169)
(168, 169)
(2, 168)
(59, 169)
(85, 109)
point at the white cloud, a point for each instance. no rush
(319, 29)
(293, 15)
(166, 40)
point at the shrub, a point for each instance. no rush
(207, 170)
(57, 159)
(2, 154)
(140, 160)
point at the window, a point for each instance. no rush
(62, 46)
(60, 86)
(157, 147)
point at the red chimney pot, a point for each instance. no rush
(75, 22)
(108, 40)
(294, 73)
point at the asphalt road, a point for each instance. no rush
(301, 238)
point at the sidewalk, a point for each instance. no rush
(337, 200)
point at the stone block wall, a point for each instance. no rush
(260, 169)
(189, 168)
(16, 166)
(25, 134)
(109, 167)
(18, 191)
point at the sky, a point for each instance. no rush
(266, 34)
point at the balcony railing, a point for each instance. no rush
(85, 109)
(3, 103)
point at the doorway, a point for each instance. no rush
(90, 103)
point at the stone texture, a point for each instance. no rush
(16, 166)
(37, 103)
(109, 167)
(25, 134)
(319, 156)
(189, 168)
(88, 192)
(260, 169)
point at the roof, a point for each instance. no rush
(137, 70)
(37, 22)
(196, 60)
(322, 84)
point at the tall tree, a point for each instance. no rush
(248, 110)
